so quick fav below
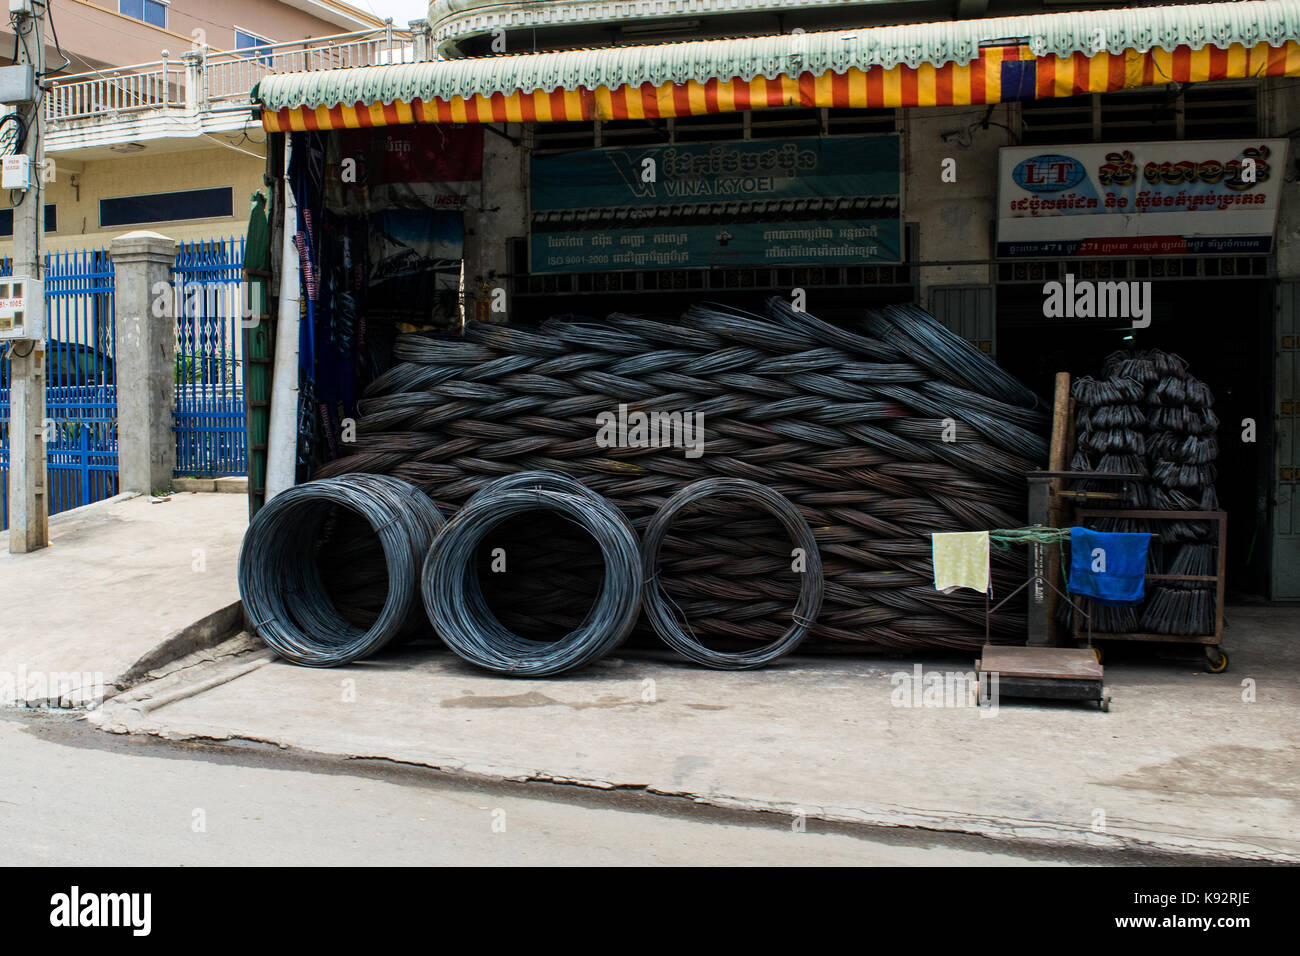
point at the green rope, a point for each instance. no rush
(1004, 538)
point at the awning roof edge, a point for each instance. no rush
(1143, 29)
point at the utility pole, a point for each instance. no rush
(29, 528)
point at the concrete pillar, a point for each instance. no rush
(954, 217)
(196, 80)
(1282, 114)
(146, 361)
(422, 40)
(494, 214)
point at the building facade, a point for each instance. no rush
(146, 109)
(953, 98)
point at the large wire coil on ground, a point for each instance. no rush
(879, 432)
(461, 616)
(663, 613)
(290, 601)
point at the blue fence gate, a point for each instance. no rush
(80, 380)
(208, 283)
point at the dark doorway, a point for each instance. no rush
(1222, 328)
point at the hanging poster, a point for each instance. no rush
(432, 166)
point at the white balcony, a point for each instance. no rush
(202, 91)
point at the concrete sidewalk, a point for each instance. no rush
(1185, 762)
(126, 584)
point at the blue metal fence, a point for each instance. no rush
(208, 281)
(81, 380)
(81, 383)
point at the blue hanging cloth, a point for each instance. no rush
(1108, 567)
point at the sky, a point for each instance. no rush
(402, 11)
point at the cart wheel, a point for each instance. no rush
(1218, 660)
(1105, 700)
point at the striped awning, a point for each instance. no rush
(939, 64)
(998, 75)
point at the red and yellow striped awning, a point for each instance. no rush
(999, 74)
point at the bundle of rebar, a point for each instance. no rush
(879, 435)
(1149, 416)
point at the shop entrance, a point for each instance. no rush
(1222, 328)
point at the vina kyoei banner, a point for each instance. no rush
(793, 202)
(1179, 198)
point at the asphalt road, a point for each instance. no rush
(70, 795)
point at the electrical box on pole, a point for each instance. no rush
(16, 173)
(22, 309)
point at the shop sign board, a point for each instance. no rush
(1188, 197)
(808, 201)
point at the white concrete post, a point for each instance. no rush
(195, 82)
(282, 431)
(144, 325)
(421, 36)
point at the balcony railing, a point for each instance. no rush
(205, 80)
(124, 90)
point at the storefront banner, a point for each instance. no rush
(1213, 197)
(807, 201)
(402, 167)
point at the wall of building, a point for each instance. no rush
(954, 218)
(1282, 116)
(217, 20)
(497, 214)
(93, 34)
(78, 187)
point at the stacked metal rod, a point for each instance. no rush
(879, 436)
(1149, 416)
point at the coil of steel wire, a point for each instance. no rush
(453, 594)
(662, 610)
(880, 432)
(281, 583)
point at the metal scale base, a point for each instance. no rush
(1054, 673)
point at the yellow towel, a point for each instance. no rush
(961, 560)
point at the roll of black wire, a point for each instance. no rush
(292, 604)
(663, 612)
(453, 594)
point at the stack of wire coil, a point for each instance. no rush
(1148, 415)
(1183, 449)
(879, 436)
(1110, 436)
